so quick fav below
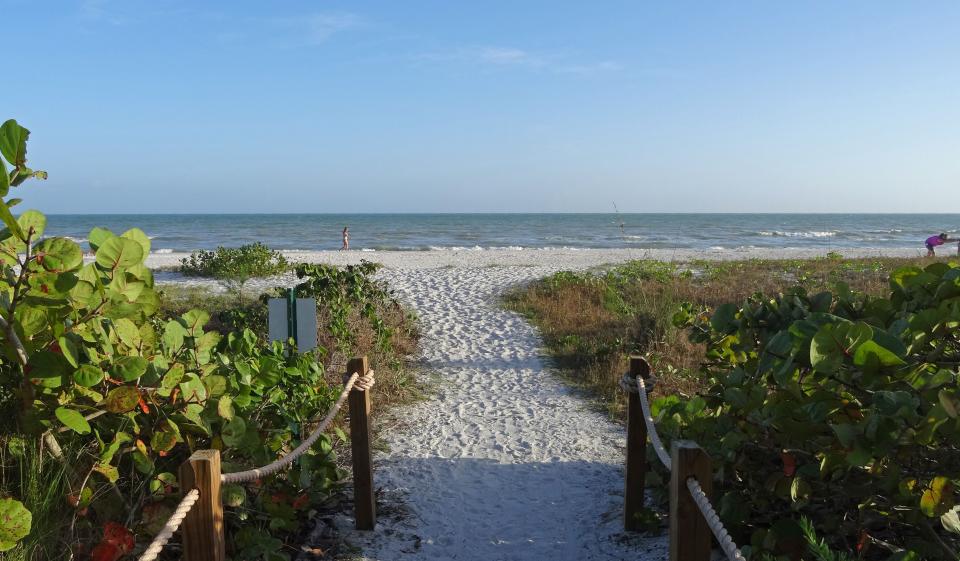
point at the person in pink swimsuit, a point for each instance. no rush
(934, 241)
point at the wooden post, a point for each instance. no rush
(364, 502)
(689, 534)
(202, 529)
(636, 470)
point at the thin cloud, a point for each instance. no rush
(519, 58)
(317, 28)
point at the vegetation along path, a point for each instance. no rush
(503, 463)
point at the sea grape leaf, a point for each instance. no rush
(59, 254)
(72, 419)
(195, 320)
(13, 143)
(827, 348)
(98, 236)
(69, 351)
(173, 334)
(122, 399)
(33, 223)
(870, 350)
(225, 407)
(938, 498)
(234, 495)
(192, 389)
(88, 375)
(234, 432)
(15, 522)
(129, 368)
(128, 332)
(163, 441)
(137, 235)
(724, 317)
(117, 253)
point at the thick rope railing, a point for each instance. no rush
(363, 383)
(713, 520)
(156, 546)
(636, 384)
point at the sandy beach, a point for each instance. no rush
(503, 462)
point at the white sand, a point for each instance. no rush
(503, 463)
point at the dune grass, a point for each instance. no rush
(591, 322)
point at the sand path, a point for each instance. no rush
(503, 463)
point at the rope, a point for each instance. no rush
(635, 384)
(362, 384)
(652, 428)
(153, 550)
(713, 520)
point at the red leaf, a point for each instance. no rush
(862, 542)
(105, 551)
(118, 535)
(143, 406)
(301, 501)
(789, 464)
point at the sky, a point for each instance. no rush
(494, 106)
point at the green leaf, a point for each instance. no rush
(88, 375)
(192, 389)
(69, 351)
(870, 350)
(72, 419)
(173, 334)
(234, 495)
(938, 498)
(33, 223)
(13, 143)
(4, 181)
(233, 432)
(137, 235)
(216, 385)
(98, 236)
(827, 348)
(59, 255)
(724, 317)
(7, 218)
(119, 253)
(15, 522)
(128, 332)
(163, 441)
(122, 399)
(129, 368)
(225, 407)
(195, 320)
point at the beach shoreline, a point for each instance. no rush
(555, 258)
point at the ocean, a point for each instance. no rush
(420, 232)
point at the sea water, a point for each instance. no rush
(419, 232)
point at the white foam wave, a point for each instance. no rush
(162, 250)
(781, 233)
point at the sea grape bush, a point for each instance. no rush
(121, 398)
(234, 266)
(838, 407)
(340, 292)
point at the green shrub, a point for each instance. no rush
(840, 407)
(234, 266)
(120, 398)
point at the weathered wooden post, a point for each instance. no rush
(636, 469)
(202, 528)
(364, 502)
(689, 534)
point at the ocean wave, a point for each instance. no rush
(813, 234)
(162, 250)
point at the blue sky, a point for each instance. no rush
(422, 106)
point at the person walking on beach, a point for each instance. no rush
(346, 239)
(934, 241)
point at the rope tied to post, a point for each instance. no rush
(637, 385)
(354, 381)
(161, 539)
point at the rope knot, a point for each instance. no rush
(364, 382)
(629, 384)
